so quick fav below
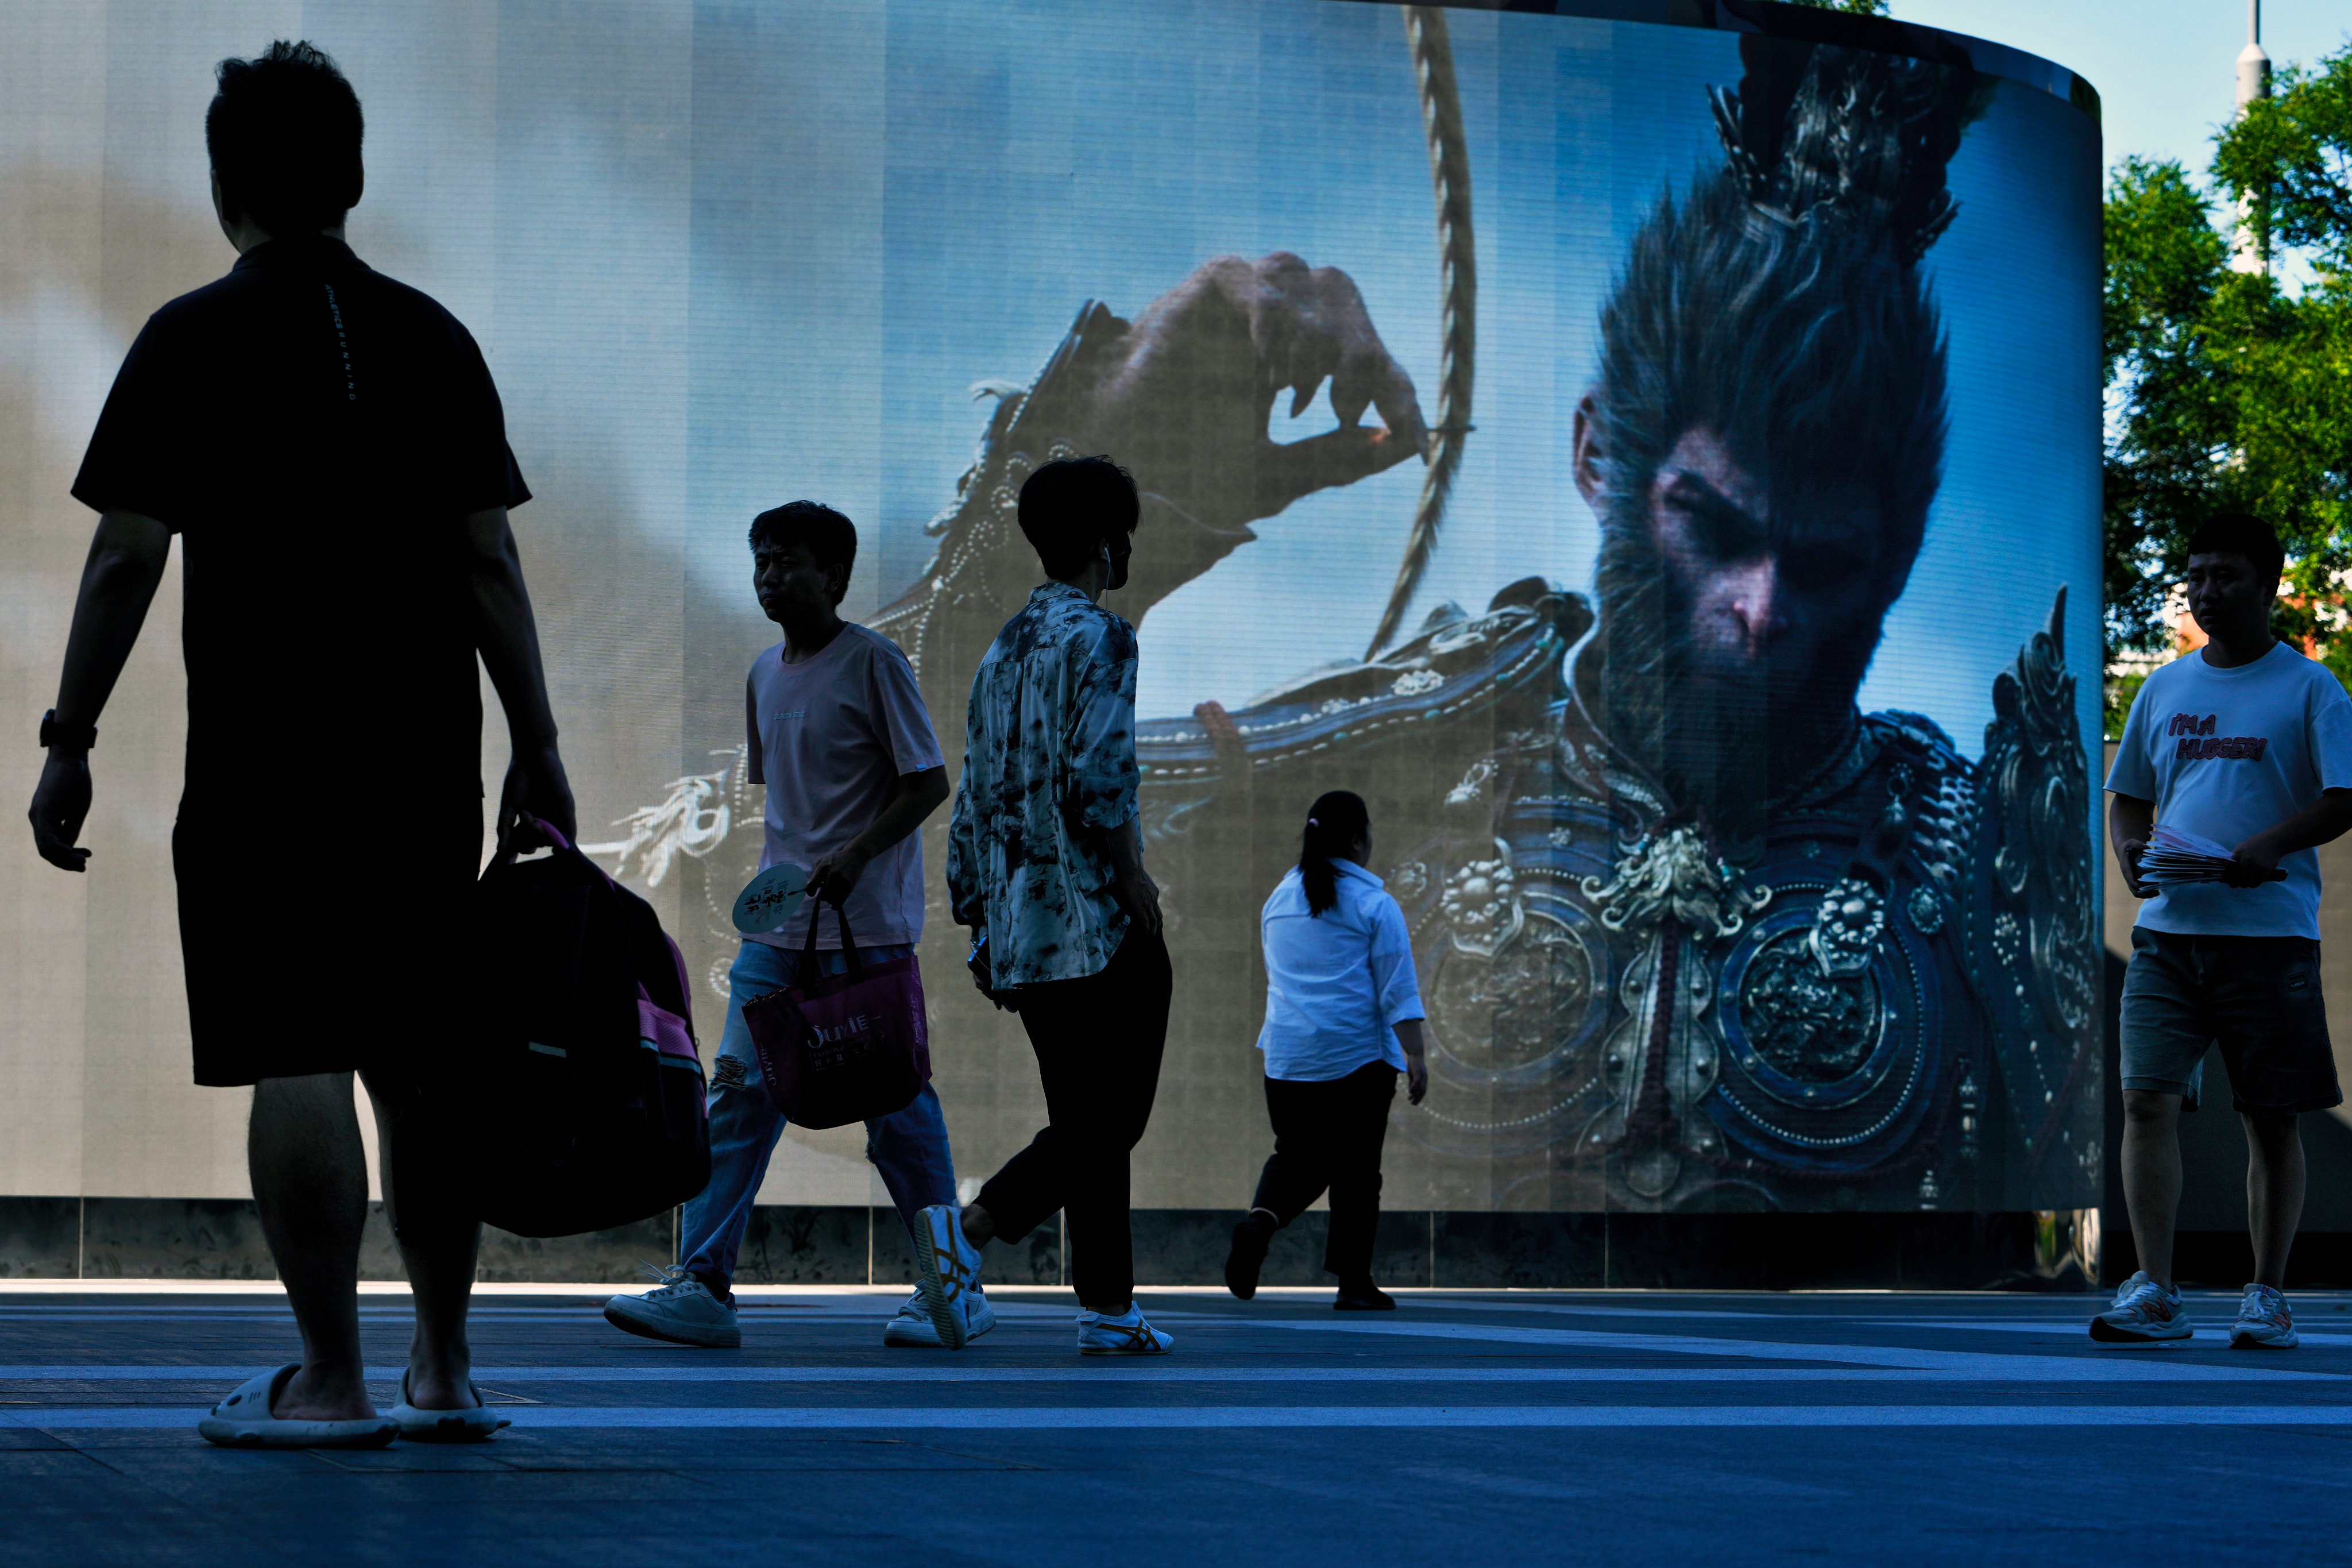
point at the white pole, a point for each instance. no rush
(2252, 253)
(2253, 64)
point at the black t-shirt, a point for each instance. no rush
(314, 432)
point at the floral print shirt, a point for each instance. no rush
(1048, 769)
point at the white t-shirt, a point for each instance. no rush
(829, 738)
(1336, 984)
(2227, 753)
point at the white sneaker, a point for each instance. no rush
(682, 1310)
(2264, 1321)
(1126, 1334)
(2143, 1313)
(911, 1329)
(950, 1267)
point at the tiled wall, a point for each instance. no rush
(177, 1238)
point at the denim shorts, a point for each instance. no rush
(2257, 997)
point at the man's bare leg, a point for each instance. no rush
(438, 1250)
(2274, 1184)
(309, 1171)
(2152, 1176)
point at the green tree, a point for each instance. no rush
(2230, 389)
(1858, 7)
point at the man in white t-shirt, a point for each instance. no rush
(839, 735)
(2247, 743)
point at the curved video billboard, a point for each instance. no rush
(1706, 666)
(1656, 465)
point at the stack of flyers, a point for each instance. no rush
(2174, 857)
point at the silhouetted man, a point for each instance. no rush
(1045, 863)
(838, 738)
(330, 448)
(2248, 744)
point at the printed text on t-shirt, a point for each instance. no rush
(2197, 741)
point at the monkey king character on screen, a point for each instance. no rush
(1766, 435)
(1761, 446)
(1701, 933)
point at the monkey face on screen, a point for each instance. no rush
(1760, 448)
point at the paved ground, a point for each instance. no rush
(1467, 1428)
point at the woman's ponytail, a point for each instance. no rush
(1335, 825)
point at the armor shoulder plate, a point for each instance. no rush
(1460, 675)
(2033, 943)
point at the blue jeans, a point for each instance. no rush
(909, 1147)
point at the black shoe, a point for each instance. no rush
(1363, 1296)
(1247, 1256)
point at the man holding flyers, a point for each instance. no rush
(839, 736)
(2242, 750)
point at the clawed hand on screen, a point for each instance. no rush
(1187, 403)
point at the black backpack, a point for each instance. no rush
(575, 1101)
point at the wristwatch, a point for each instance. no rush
(53, 734)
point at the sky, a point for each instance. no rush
(2165, 69)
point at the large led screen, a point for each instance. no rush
(1656, 466)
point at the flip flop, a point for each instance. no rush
(243, 1421)
(475, 1426)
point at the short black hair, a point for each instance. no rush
(284, 133)
(1071, 505)
(830, 538)
(2239, 533)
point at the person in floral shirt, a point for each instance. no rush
(1050, 781)
(1045, 863)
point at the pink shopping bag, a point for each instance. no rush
(847, 1049)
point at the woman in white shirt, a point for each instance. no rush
(1342, 1019)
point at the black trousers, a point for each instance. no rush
(1329, 1135)
(1099, 1042)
